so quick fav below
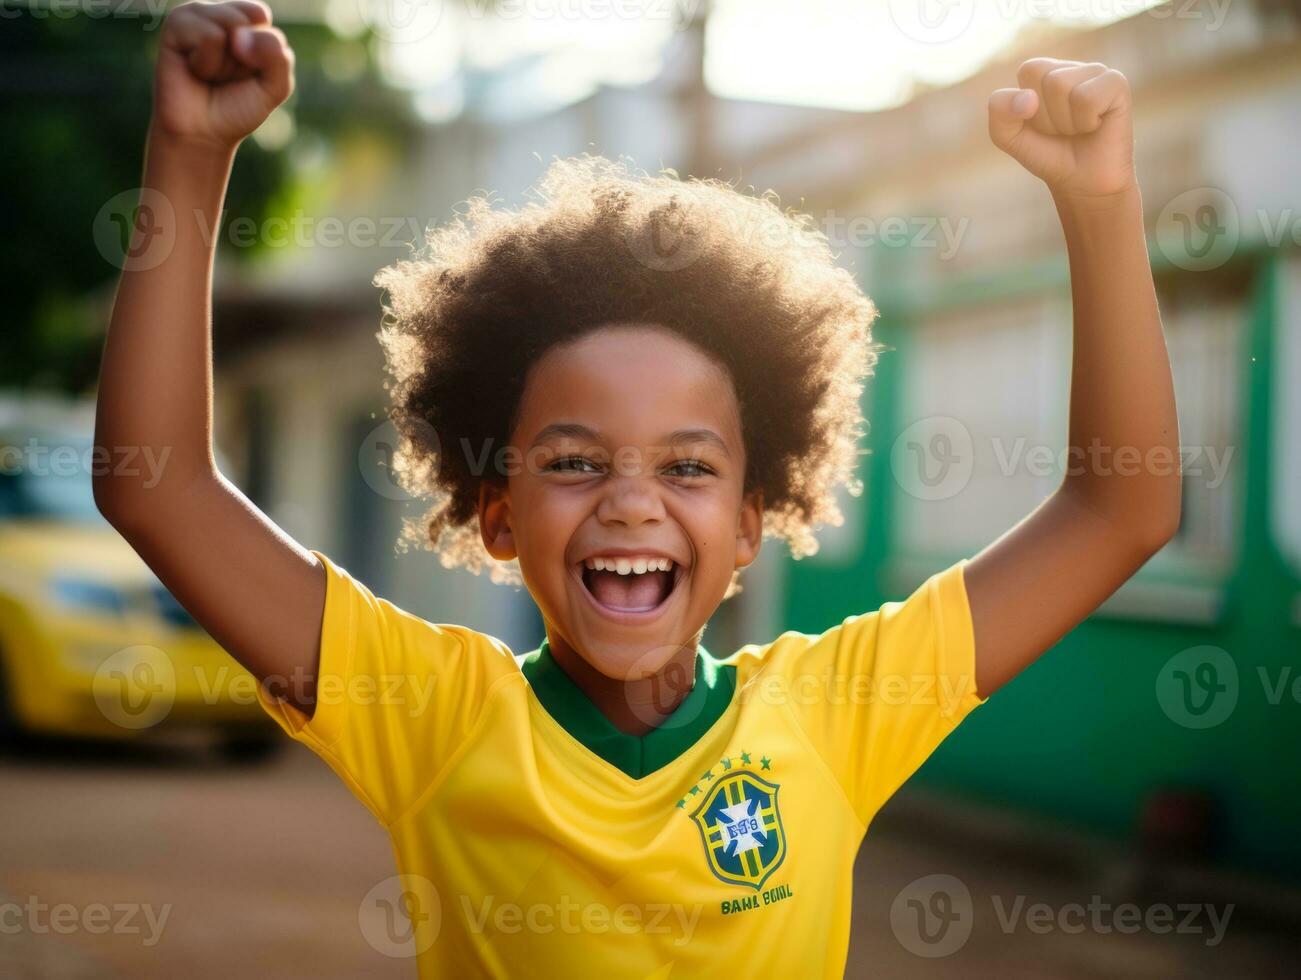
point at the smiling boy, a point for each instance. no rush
(621, 801)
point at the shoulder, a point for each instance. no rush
(932, 622)
(362, 625)
(789, 653)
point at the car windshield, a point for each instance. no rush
(47, 476)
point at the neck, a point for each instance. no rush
(636, 706)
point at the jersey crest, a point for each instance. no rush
(741, 827)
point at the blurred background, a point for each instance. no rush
(1131, 806)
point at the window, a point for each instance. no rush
(982, 423)
(1286, 449)
(1205, 338)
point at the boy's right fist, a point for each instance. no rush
(222, 68)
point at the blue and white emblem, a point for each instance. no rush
(742, 829)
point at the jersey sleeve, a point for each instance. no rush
(878, 693)
(395, 695)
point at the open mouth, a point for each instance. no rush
(631, 583)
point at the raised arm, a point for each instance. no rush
(1070, 124)
(221, 69)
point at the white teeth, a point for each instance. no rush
(629, 566)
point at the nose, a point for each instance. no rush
(630, 501)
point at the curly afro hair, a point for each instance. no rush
(600, 243)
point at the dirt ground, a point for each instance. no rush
(250, 867)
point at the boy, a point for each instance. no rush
(644, 808)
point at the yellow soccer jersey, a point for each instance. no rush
(536, 840)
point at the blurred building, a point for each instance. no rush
(963, 254)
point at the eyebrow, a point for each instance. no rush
(576, 430)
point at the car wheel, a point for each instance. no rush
(249, 750)
(8, 717)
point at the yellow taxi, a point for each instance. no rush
(91, 643)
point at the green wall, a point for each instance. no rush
(1080, 736)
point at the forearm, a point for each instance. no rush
(155, 388)
(1124, 433)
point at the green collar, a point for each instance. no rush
(634, 755)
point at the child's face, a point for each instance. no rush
(632, 449)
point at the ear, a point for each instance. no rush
(494, 521)
(749, 529)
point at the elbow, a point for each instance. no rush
(124, 502)
(138, 504)
(103, 495)
(1159, 526)
(112, 502)
(1145, 523)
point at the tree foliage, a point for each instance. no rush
(75, 90)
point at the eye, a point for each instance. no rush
(689, 468)
(572, 464)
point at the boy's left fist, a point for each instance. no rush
(1069, 124)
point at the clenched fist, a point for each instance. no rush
(1069, 124)
(222, 69)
